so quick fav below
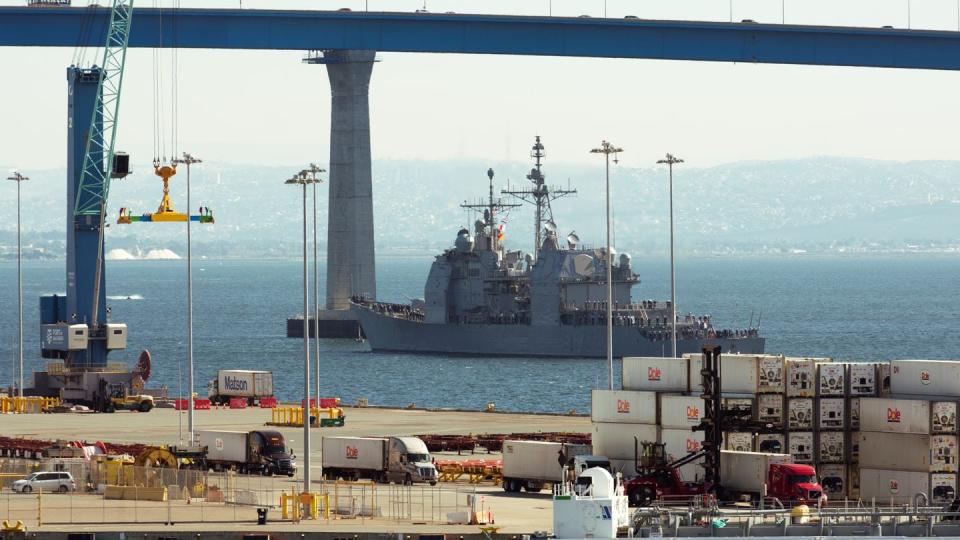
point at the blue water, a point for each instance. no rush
(861, 308)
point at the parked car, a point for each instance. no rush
(61, 482)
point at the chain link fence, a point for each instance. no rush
(123, 493)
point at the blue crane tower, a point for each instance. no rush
(75, 327)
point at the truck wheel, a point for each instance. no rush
(433, 482)
(533, 487)
(408, 480)
(145, 406)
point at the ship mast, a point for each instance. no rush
(489, 210)
(539, 195)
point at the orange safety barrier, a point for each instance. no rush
(329, 402)
(201, 404)
(180, 405)
(238, 403)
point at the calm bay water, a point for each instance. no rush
(856, 308)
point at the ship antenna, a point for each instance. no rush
(539, 195)
(488, 209)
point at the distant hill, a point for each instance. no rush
(813, 204)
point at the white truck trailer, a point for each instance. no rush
(240, 383)
(531, 465)
(382, 459)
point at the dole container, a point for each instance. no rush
(624, 406)
(656, 374)
(895, 415)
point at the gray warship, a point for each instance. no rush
(483, 299)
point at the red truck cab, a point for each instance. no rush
(794, 483)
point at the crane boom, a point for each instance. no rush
(98, 156)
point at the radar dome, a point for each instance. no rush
(464, 242)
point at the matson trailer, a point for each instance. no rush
(531, 465)
(239, 383)
(382, 459)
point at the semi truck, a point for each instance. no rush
(748, 473)
(382, 459)
(240, 383)
(258, 452)
(533, 465)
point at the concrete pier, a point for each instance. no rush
(350, 248)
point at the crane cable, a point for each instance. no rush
(160, 128)
(86, 28)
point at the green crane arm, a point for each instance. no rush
(95, 177)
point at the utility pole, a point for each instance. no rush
(670, 161)
(189, 160)
(301, 179)
(312, 171)
(19, 178)
(606, 149)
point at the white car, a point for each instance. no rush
(61, 482)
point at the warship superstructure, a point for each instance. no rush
(483, 299)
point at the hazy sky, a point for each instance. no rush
(267, 107)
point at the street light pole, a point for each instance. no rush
(188, 160)
(606, 148)
(313, 170)
(670, 161)
(19, 178)
(301, 179)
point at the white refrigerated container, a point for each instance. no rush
(862, 378)
(680, 412)
(773, 443)
(802, 376)
(831, 413)
(925, 377)
(943, 487)
(833, 448)
(943, 453)
(771, 374)
(833, 478)
(894, 451)
(943, 417)
(832, 379)
(800, 446)
(770, 409)
(616, 441)
(656, 374)
(895, 415)
(853, 413)
(738, 441)
(800, 413)
(892, 486)
(624, 406)
(679, 443)
(738, 374)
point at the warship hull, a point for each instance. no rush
(387, 333)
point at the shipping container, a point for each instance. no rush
(679, 443)
(894, 451)
(943, 487)
(802, 376)
(892, 486)
(883, 379)
(624, 406)
(853, 481)
(738, 442)
(895, 415)
(925, 377)
(368, 453)
(738, 374)
(226, 446)
(656, 374)
(616, 441)
(771, 377)
(943, 453)
(853, 413)
(800, 446)
(773, 443)
(831, 413)
(243, 383)
(832, 447)
(833, 478)
(832, 377)
(863, 379)
(800, 413)
(747, 471)
(680, 412)
(943, 417)
(731, 403)
(770, 409)
(538, 460)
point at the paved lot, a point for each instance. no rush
(516, 513)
